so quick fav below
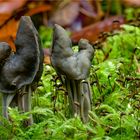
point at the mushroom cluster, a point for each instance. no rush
(20, 71)
(74, 69)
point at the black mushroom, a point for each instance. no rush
(74, 68)
(21, 70)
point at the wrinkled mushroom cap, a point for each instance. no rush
(74, 65)
(24, 66)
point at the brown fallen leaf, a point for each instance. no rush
(8, 32)
(93, 31)
(134, 3)
(9, 21)
(8, 6)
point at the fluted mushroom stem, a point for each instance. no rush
(70, 96)
(85, 102)
(24, 103)
(75, 98)
(27, 104)
(79, 92)
(21, 102)
(6, 100)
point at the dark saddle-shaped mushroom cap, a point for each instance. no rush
(74, 65)
(25, 66)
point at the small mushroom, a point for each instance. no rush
(74, 65)
(75, 68)
(23, 69)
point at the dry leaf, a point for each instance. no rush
(9, 6)
(135, 3)
(93, 31)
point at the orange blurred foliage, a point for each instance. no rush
(9, 22)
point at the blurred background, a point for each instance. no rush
(114, 75)
(82, 18)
